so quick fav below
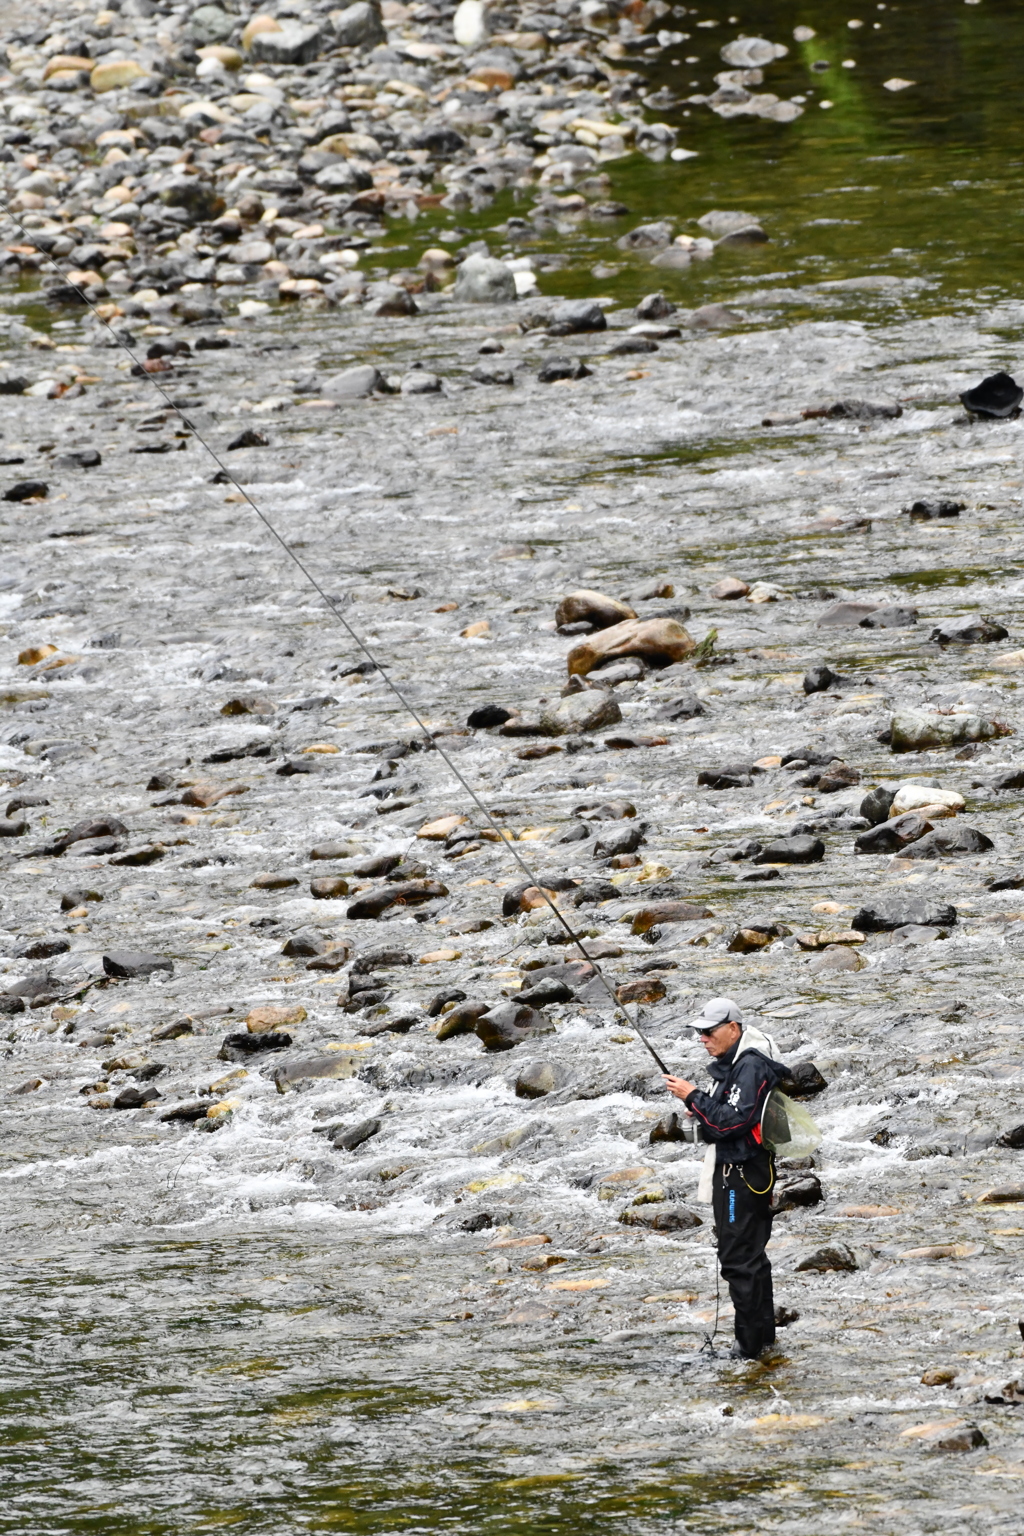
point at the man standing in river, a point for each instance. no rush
(739, 1173)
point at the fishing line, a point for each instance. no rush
(171, 1183)
(709, 1338)
(353, 635)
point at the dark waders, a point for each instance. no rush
(743, 1222)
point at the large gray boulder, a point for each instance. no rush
(581, 713)
(292, 45)
(388, 300)
(914, 731)
(484, 280)
(340, 177)
(353, 384)
(211, 24)
(359, 25)
(575, 315)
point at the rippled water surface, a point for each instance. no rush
(224, 1332)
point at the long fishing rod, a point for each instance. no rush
(356, 638)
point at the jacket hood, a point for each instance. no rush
(756, 1040)
(751, 1039)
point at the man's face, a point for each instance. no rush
(721, 1039)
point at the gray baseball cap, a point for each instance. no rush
(717, 1010)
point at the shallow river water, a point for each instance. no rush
(252, 1330)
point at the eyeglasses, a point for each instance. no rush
(711, 1028)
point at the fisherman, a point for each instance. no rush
(739, 1173)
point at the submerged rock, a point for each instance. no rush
(129, 963)
(835, 1256)
(846, 615)
(333, 1067)
(355, 1136)
(576, 315)
(508, 1024)
(889, 912)
(912, 731)
(792, 850)
(407, 893)
(556, 369)
(353, 384)
(968, 631)
(539, 1078)
(240, 1046)
(661, 1218)
(661, 913)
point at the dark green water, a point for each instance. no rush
(925, 183)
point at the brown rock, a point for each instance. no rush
(251, 704)
(534, 754)
(663, 641)
(461, 1020)
(662, 912)
(327, 887)
(948, 1435)
(58, 63)
(746, 941)
(835, 1256)
(669, 1218)
(115, 74)
(542, 1261)
(507, 1025)
(334, 960)
(729, 589)
(835, 958)
(938, 1378)
(626, 743)
(205, 795)
(272, 882)
(586, 606)
(437, 831)
(255, 26)
(646, 989)
(538, 1078)
(837, 776)
(36, 653)
(270, 1016)
(1003, 1194)
(495, 79)
(933, 1252)
(535, 1240)
(406, 893)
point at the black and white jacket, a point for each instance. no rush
(730, 1111)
